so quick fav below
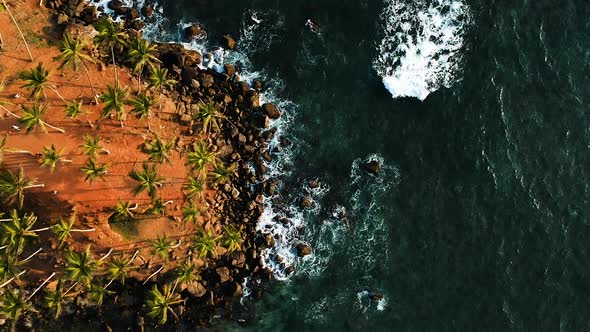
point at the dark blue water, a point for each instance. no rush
(479, 219)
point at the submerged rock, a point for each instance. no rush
(195, 31)
(303, 250)
(372, 167)
(229, 42)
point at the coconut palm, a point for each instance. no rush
(54, 299)
(205, 243)
(33, 117)
(142, 106)
(51, 157)
(159, 79)
(13, 186)
(64, 229)
(3, 102)
(117, 268)
(161, 247)
(18, 28)
(232, 238)
(72, 55)
(13, 304)
(209, 115)
(93, 170)
(81, 266)
(190, 212)
(92, 146)
(158, 206)
(141, 55)
(97, 293)
(158, 150)
(186, 273)
(123, 211)
(37, 80)
(200, 157)
(19, 231)
(114, 101)
(192, 189)
(73, 109)
(110, 34)
(148, 179)
(221, 174)
(160, 303)
(9, 267)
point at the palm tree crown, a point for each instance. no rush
(190, 212)
(33, 117)
(92, 146)
(206, 244)
(158, 150)
(193, 188)
(73, 109)
(93, 170)
(148, 179)
(221, 174)
(160, 303)
(201, 157)
(36, 80)
(161, 247)
(72, 52)
(81, 266)
(13, 186)
(19, 231)
(141, 53)
(209, 115)
(51, 156)
(114, 101)
(232, 238)
(142, 106)
(158, 78)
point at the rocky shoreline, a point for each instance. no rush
(241, 141)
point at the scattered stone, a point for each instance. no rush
(303, 250)
(195, 31)
(229, 69)
(306, 202)
(223, 273)
(229, 42)
(147, 10)
(196, 289)
(372, 167)
(271, 110)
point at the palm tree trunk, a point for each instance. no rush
(153, 274)
(54, 127)
(40, 229)
(11, 279)
(41, 286)
(40, 185)
(58, 94)
(83, 230)
(10, 113)
(90, 81)
(31, 255)
(106, 255)
(115, 64)
(177, 245)
(18, 28)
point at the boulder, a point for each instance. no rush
(196, 289)
(133, 14)
(229, 42)
(89, 15)
(257, 85)
(147, 10)
(115, 4)
(238, 258)
(195, 31)
(376, 296)
(223, 273)
(303, 249)
(229, 69)
(271, 110)
(372, 167)
(62, 19)
(306, 202)
(206, 80)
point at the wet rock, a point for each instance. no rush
(133, 14)
(147, 10)
(135, 25)
(241, 139)
(229, 69)
(303, 250)
(62, 19)
(271, 110)
(207, 80)
(372, 167)
(89, 15)
(223, 273)
(269, 240)
(115, 4)
(229, 42)
(257, 85)
(306, 202)
(238, 258)
(122, 11)
(234, 289)
(376, 296)
(290, 269)
(195, 31)
(195, 84)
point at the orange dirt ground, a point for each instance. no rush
(65, 189)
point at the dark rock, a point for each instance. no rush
(229, 42)
(372, 167)
(62, 19)
(306, 202)
(269, 240)
(89, 15)
(135, 25)
(303, 250)
(229, 69)
(376, 296)
(241, 139)
(147, 10)
(122, 11)
(254, 99)
(195, 84)
(235, 289)
(195, 31)
(223, 273)
(238, 258)
(196, 289)
(115, 4)
(207, 80)
(257, 85)
(133, 14)
(290, 269)
(271, 110)
(189, 74)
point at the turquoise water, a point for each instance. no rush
(479, 219)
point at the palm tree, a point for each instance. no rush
(206, 244)
(8, 267)
(160, 303)
(37, 80)
(19, 231)
(18, 28)
(54, 299)
(73, 109)
(159, 80)
(209, 115)
(110, 34)
(117, 269)
(97, 292)
(158, 150)
(148, 179)
(186, 273)
(13, 304)
(4, 102)
(200, 157)
(142, 106)
(114, 101)
(123, 211)
(13, 186)
(193, 188)
(72, 55)
(161, 247)
(158, 206)
(33, 117)
(190, 212)
(94, 171)
(221, 174)
(232, 238)
(140, 54)
(51, 157)
(64, 229)
(92, 146)
(81, 266)
(4, 149)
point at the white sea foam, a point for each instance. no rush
(422, 45)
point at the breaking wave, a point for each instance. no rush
(422, 45)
